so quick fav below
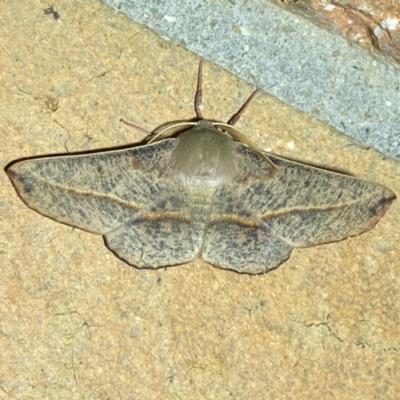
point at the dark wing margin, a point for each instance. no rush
(318, 206)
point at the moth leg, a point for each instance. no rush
(148, 133)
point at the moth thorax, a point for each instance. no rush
(204, 156)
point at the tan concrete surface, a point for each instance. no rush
(78, 323)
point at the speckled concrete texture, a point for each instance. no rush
(307, 67)
(76, 322)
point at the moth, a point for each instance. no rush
(202, 192)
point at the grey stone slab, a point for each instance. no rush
(309, 68)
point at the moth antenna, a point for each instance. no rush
(160, 135)
(198, 99)
(235, 117)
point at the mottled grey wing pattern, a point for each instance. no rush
(155, 208)
(121, 194)
(258, 221)
(202, 194)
